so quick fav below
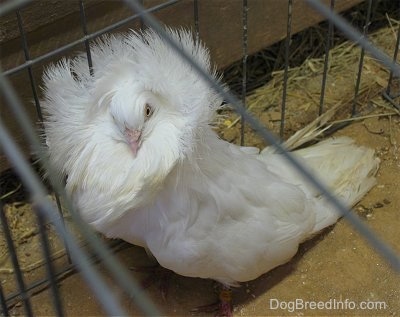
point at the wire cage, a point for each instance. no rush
(38, 264)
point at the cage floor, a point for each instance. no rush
(337, 265)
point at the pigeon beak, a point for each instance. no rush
(133, 139)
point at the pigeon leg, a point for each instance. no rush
(223, 307)
(156, 274)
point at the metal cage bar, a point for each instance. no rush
(244, 66)
(85, 32)
(24, 296)
(286, 71)
(361, 62)
(388, 92)
(45, 210)
(50, 272)
(3, 303)
(196, 19)
(92, 36)
(11, 6)
(326, 62)
(27, 58)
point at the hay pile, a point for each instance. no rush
(304, 90)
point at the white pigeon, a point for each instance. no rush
(143, 164)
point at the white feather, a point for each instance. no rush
(203, 207)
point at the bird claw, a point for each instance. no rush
(222, 308)
(156, 274)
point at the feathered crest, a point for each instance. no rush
(145, 58)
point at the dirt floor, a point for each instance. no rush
(337, 267)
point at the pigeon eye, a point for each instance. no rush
(148, 111)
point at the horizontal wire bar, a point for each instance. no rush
(12, 5)
(363, 229)
(71, 267)
(82, 40)
(44, 282)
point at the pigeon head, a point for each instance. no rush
(154, 96)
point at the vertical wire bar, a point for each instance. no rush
(326, 62)
(90, 65)
(27, 58)
(51, 276)
(14, 259)
(244, 67)
(196, 19)
(142, 24)
(59, 208)
(3, 303)
(361, 62)
(396, 52)
(85, 32)
(285, 74)
(32, 81)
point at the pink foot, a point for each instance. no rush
(221, 308)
